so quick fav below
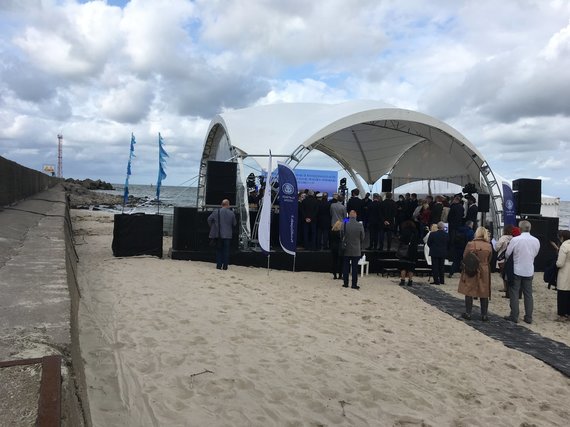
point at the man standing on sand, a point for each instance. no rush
(523, 249)
(221, 222)
(353, 237)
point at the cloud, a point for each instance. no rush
(495, 71)
(129, 103)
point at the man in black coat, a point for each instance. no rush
(323, 222)
(436, 211)
(455, 215)
(389, 209)
(309, 212)
(355, 204)
(374, 221)
(472, 210)
(438, 242)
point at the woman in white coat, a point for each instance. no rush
(563, 280)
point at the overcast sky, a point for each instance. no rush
(95, 71)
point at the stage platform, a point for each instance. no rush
(381, 262)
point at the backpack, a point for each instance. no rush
(471, 264)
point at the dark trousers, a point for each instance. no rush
(374, 231)
(469, 305)
(223, 254)
(310, 235)
(337, 264)
(351, 262)
(438, 270)
(388, 233)
(563, 302)
(323, 238)
(457, 258)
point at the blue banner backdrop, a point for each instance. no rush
(317, 180)
(509, 213)
(288, 209)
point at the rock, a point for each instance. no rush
(81, 197)
(90, 184)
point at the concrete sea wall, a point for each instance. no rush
(18, 182)
(40, 293)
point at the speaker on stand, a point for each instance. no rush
(386, 185)
(221, 182)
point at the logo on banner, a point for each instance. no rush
(288, 188)
(510, 204)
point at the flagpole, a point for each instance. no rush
(264, 226)
(294, 259)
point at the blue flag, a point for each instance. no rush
(131, 155)
(509, 213)
(162, 155)
(288, 209)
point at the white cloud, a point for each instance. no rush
(129, 103)
(496, 71)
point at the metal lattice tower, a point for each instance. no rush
(59, 155)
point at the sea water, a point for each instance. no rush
(170, 197)
(174, 196)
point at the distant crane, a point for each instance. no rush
(59, 155)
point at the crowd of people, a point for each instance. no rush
(448, 225)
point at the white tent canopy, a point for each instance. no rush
(368, 139)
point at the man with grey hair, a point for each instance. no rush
(523, 249)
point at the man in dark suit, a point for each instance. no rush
(436, 211)
(323, 222)
(355, 203)
(374, 221)
(354, 237)
(389, 210)
(456, 214)
(309, 212)
(438, 242)
(472, 210)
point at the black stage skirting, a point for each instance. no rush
(384, 262)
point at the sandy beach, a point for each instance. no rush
(179, 343)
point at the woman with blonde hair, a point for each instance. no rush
(475, 281)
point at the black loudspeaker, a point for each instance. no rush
(183, 228)
(545, 229)
(527, 184)
(525, 207)
(221, 182)
(137, 234)
(528, 194)
(386, 186)
(190, 230)
(483, 202)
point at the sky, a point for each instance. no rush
(97, 71)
